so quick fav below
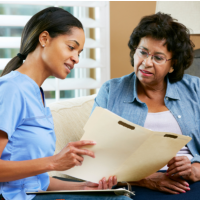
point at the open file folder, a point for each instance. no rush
(124, 149)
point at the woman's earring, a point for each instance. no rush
(43, 45)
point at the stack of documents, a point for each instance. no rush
(124, 149)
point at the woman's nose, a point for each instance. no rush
(148, 61)
(75, 58)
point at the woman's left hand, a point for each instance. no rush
(103, 184)
(179, 165)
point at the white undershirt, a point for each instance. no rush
(165, 122)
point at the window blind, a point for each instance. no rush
(93, 68)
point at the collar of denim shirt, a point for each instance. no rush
(171, 92)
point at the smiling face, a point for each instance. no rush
(147, 71)
(61, 53)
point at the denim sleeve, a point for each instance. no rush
(196, 158)
(102, 98)
(12, 108)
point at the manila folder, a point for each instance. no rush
(124, 149)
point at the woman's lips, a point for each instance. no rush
(68, 68)
(146, 73)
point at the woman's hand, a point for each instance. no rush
(181, 166)
(159, 181)
(103, 184)
(70, 155)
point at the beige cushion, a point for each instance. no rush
(69, 118)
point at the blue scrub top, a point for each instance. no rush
(30, 129)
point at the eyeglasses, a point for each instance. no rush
(158, 59)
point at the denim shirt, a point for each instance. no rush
(182, 99)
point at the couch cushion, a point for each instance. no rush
(69, 118)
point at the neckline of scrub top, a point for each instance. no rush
(37, 89)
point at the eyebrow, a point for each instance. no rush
(75, 42)
(155, 52)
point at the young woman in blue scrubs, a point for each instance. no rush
(50, 45)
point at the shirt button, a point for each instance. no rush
(179, 116)
(167, 98)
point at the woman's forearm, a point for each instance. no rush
(140, 183)
(14, 170)
(56, 184)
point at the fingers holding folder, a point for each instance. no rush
(72, 155)
(103, 184)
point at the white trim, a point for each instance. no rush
(70, 84)
(103, 37)
(107, 41)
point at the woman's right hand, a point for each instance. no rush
(70, 155)
(160, 181)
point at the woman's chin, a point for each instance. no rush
(62, 76)
(145, 79)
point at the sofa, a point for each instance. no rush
(69, 118)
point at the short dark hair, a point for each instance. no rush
(162, 26)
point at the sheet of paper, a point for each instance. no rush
(129, 153)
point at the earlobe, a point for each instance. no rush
(174, 62)
(43, 38)
(171, 70)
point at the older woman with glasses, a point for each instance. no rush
(158, 96)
